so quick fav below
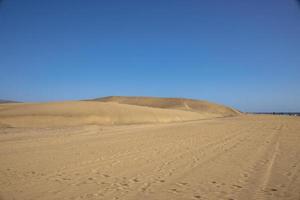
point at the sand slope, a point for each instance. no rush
(240, 158)
(87, 112)
(173, 103)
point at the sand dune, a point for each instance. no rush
(86, 112)
(146, 148)
(240, 158)
(173, 103)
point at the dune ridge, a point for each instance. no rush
(85, 112)
(109, 111)
(191, 105)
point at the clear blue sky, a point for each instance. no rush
(245, 54)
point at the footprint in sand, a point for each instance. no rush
(135, 180)
(237, 186)
(174, 190)
(183, 183)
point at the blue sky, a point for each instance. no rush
(245, 54)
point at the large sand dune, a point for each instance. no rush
(240, 158)
(173, 103)
(87, 112)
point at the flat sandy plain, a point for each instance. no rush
(186, 157)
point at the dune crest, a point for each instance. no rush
(85, 112)
(109, 111)
(192, 105)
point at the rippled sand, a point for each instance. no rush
(242, 157)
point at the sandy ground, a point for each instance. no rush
(79, 113)
(243, 157)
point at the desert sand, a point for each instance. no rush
(85, 112)
(112, 150)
